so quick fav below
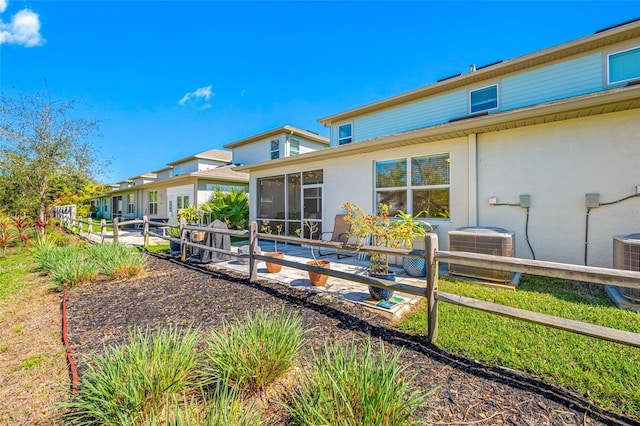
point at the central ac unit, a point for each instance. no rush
(626, 255)
(484, 240)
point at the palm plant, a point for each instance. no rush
(230, 207)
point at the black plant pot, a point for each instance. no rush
(381, 293)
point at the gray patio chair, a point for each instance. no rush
(340, 234)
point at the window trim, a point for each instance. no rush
(350, 137)
(291, 141)
(608, 65)
(471, 91)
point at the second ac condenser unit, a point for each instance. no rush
(626, 255)
(484, 240)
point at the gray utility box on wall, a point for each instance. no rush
(626, 255)
(483, 240)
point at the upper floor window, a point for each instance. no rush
(345, 134)
(483, 99)
(176, 170)
(294, 147)
(275, 149)
(624, 66)
(414, 185)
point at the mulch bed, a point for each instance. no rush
(178, 294)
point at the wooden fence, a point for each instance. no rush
(432, 256)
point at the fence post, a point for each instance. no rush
(431, 246)
(183, 239)
(115, 229)
(253, 244)
(89, 227)
(145, 230)
(103, 230)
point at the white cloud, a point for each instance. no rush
(23, 29)
(202, 92)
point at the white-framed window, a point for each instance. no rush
(153, 202)
(294, 147)
(275, 149)
(483, 99)
(176, 170)
(131, 207)
(345, 134)
(415, 184)
(623, 66)
(182, 202)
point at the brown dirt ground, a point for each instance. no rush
(33, 371)
(469, 392)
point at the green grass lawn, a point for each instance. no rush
(14, 266)
(608, 373)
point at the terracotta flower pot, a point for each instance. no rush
(316, 278)
(274, 267)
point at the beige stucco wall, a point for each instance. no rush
(557, 164)
(350, 178)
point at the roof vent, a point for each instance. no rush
(484, 240)
(472, 68)
(626, 255)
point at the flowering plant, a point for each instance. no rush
(384, 230)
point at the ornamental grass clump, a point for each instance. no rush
(253, 353)
(134, 383)
(66, 265)
(350, 386)
(224, 407)
(116, 261)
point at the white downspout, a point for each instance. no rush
(473, 179)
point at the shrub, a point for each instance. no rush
(117, 261)
(134, 383)
(352, 388)
(254, 353)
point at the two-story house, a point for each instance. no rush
(183, 183)
(559, 127)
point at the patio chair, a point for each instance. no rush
(340, 234)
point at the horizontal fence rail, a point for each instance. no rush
(432, 256)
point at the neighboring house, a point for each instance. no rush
(161, 193)
(556, 125)
(304, 196)
(285, 141)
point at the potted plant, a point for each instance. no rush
(273, 267)
(412, 229)
(174, 233)
(384, 231)
(316, 278)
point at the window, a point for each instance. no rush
(153, 202)
(483, 99)
(345, 134)
(414, 185)
(182, 202)
(176, 170)
(131, 207)
(294, 147)
(275, 149)
(624, 66)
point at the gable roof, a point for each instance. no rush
(212, 154)
(601, 38)
(278, 131)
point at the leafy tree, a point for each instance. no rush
(41, 146)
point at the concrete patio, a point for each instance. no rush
(335, 287)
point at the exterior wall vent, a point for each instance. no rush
(483, 240)
(626, 255)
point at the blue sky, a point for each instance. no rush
(168, 79)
